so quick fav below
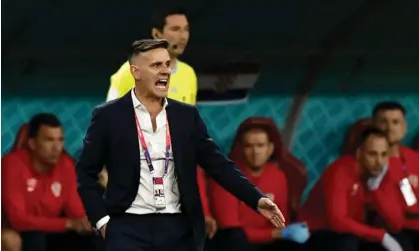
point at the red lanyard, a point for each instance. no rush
(145, 149)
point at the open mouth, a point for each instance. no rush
(162, 84)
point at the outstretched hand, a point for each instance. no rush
(271, 212)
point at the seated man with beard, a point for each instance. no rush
(240, 227)
(338, 206)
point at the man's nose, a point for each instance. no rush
(391, 126)
(382, 161)
(58, 146)
(165, 70)
(257, 151)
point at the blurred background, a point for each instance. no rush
(314, 67)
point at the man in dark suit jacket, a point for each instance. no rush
(135, 215)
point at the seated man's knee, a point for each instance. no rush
(230, 239)
(34, 241)
(346, 242)
(10, 240)
(327, 240)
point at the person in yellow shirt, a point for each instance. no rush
(172, 25)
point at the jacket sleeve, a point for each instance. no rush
(386, 201)
(203, 191)
(336, 195)
(90, 164)
(264, 235)
(221, 169)
(13, 199)
(73, 207)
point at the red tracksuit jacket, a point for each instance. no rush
(34, 201)
(203, 191)
(407, 166)
(224, 205)
(273, 183)
(338, 202)
(230, 212)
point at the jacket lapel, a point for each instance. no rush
(175, 126)
(128, 115)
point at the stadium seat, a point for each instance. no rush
(349, 145)
(21, 141)
(294, 169)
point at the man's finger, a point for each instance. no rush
(278, 213)
(273, 221)
(277, 222)
(276, 210)
(211, 235)
(280, 223)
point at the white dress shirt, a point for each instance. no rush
(156, 144)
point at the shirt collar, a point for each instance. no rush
(137, 104)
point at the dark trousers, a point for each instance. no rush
(42, 241)
(278, 245)
(331, 241)
(413, 237)
(227, 239)
(234, 239)
(151, 232)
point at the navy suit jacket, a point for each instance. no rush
(111, 140)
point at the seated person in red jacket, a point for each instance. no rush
(39, 186)
(337, 205)
(257, 165)
(210, 223)
(391, 118)
(407, 203)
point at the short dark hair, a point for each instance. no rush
(158, 19)
(144, 45)
(368, 132)
(42, 119)
(388, 106)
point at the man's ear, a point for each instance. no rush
(155, 33)
(31, 144)
(358, 153)
(271, 148)
(135, 72)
